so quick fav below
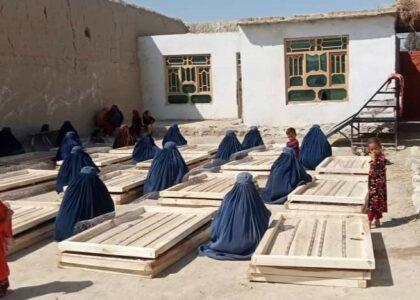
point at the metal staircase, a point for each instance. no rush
(378, 113)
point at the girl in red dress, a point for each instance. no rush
(377, 182)
(6, 236)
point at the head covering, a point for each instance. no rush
(286, 174)
(174, 135)
(9, 145)
(70, 140)
(72, 166)
(229, 145)
(123, 138)
(115, 116)
(252, 139)
(145, 148)
(66, 127)
(239, 224)
(315, 148)
(85, 198)
(168, 168)
(136, 124)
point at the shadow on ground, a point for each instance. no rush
(382, 275)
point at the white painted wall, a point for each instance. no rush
(221, 46)
(371, 58)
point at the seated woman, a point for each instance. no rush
(71, 167)
(66, 127)
(136, 124)
(228, 146)
(168, 168)
(252, 139)
(148, 121)
(239, 224)
(286, 174)
(70, 140)
(123, 138)
(85, 198)
(174, 135)
(9, 145)
(315, 148)
(145, 148)
(115, 116)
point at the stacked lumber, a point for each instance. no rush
(102, 160)
(32, 221)
(141, 242)
(332, 194)
(415, 169)
(22, 178)
(257, 165)
(125, 185)
(200, 148)
(191, 159)
(344, 165)
(315, 249)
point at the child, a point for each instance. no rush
(292, 142)
(377, 182)
(5, 238)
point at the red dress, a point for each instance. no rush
(6, 236)
(377, 188)
(294, 144)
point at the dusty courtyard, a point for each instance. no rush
(34, 272)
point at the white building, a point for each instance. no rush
(293, 71)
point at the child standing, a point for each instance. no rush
(5, 238)
(377, 182)
(292, 142)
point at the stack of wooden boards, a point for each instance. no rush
(41, 159)
(27, 177)
(415, 169)
(257, 165)
(141, 242)
(102, 160)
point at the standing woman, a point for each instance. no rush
(377, 182)
(6, 236)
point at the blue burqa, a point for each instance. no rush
(66, 127)
(145, 148)
(71, 167)
(70, 140)
(252, 139)
(85, 198)
(9, 145)
(228, 146)
(174, 135)
(239, 224)
(286, 174)
(315, 148)
(168, 168)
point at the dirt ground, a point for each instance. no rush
(34, 272)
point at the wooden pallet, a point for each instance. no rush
(123, 150)
(147, 268)
(31, 222)
(191, 159)
(316, 249)
(270, 150)
(18, 179)
(105, 159)
(344, 165)
(260, 164)
(125, 185)
(198, 149)
(330, 194)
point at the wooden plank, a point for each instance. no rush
(122, 150)
(26, 177)
(270, 150)
(149, 241)
(105, 159)
(344, 208)
(250, 163)
(124, 180)
(198, 149)
(185, 202)
(189, 158)
(30, 237)
(344, 165)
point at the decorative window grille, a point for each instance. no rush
(188, 78)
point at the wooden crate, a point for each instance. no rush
(260, 164)
(344, 165)
(270, 150)
(191, 159)
(105, 159)
(125, 185)
(31, 222)
(330, 195)
(18, 179)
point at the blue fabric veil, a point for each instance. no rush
(252, 139)
(286, 174)
(229, 145)
(72, 166)
(85, 198)
(239, 224)
(174, 135)
(66, 127)
(315, 148)
(70, 140)
(168, 168)
(145, 148)
(9, 145)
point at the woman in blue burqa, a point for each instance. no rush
(174, 135)
(239, 224)
(252, 139)
(9, 144)
(315, 148)
(70, 140)
(168, 168)
(71, 167)
(228, 146)
(85, 198)
(66, 127)
(145, 148)
(286, 174)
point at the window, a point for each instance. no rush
(188, 79)
(317, 69)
